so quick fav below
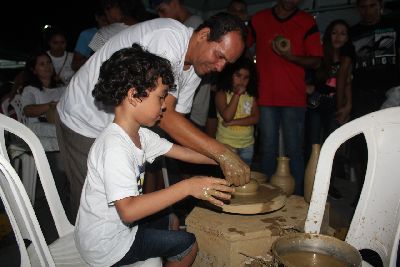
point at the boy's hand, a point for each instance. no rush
(235, 170)
(210, 189)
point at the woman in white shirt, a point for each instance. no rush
(39, 98)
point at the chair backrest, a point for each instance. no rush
(376, 221)
(22, 216)
(17, 106)
(63, 226)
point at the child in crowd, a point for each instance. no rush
(329, 103)
(237, 107)
(114, 226)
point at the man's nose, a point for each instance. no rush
(220, 65)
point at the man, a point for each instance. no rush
(282, 89)
(175, 9)
(218, 41)
(376, 70)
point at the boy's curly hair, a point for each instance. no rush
(128, 68)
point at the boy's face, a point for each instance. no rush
(370, 11)
(151, 107)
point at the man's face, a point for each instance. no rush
(370, 11)
(167, 10)
(212, 56)
(288, 5)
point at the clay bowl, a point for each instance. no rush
(300, 249)
(247, 189)
(259, 176)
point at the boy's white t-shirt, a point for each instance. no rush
(167, 38)
(115, 171)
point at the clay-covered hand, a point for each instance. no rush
(210, 188)
(235, 170)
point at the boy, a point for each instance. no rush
(109, 227)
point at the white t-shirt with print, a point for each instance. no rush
(165, 37)
(105, 33)
(115, 171)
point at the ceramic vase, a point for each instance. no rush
(309, 174)
(282, 177)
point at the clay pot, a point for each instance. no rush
(248, 189)
(259, 176)
(309, 174)
(282, 177)
(282, 43)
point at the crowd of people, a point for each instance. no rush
(195, 82)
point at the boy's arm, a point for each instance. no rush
(188, 155)
(212, 189)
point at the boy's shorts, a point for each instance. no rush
(154, 239)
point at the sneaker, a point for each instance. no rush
(334, 193)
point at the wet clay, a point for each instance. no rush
(311, 259)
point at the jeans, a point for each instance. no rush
(246, 154)
(154, 239)
(292, 121)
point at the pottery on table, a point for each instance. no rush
(282, 177)
(309, 174)
(248, 189)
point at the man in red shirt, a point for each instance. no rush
(282, 89)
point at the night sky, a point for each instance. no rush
(21, 22)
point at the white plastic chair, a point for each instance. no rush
(18, 152)
(63, 251)
(376, 221)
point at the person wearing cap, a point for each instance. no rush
(192, 53)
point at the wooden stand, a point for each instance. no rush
(221, 236)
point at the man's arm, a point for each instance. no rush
(184, 132)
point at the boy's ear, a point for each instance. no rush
(131, 95)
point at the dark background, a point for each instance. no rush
(21, 22)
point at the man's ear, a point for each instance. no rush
(204, 33)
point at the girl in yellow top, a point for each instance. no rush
(237, 107)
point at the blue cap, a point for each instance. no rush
(155, 3)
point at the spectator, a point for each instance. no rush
(324, 113)
(237, 108)
(82, 50)
(290, 43)
(376, 70)
(120, 15)
(61, 58)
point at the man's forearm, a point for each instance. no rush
(304, 61)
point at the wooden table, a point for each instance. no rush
(222, 236)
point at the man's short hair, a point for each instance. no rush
(221, 24)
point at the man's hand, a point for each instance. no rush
(234, 169)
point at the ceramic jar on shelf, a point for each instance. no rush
(282, 177)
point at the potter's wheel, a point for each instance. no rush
(258, 199)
